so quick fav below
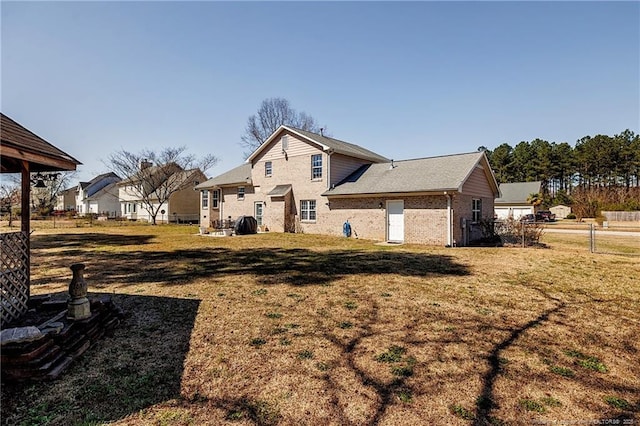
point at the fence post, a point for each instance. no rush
(523, 226)
(592, 243)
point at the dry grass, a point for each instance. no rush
(301, 329)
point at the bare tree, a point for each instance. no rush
(43, 199)
(273, 113)
(9, 197)
(153, 176)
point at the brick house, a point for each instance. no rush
(298, 181)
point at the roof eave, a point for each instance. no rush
(392, 194)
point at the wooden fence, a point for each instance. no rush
(14, 275)
(633, 216)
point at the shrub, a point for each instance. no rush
(571, 216)
(510, 232)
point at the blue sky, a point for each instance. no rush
(406, 80)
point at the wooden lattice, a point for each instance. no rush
(14, 270)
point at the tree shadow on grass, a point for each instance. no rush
(87, 240)
(297, 267)
(139, 366)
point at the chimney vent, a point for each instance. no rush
(321, 131)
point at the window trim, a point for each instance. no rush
(476, 210)
(241, 193)
(307, 210)
(315, 167)
(205, 199)
(268, 168)
(215, 198)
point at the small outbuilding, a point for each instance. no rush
(561, 211)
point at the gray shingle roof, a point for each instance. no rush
(240, 174)
(517, 192)
(446, 173)
(341, 147)
(279, 191)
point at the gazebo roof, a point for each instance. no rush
(20, 144)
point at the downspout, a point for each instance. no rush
(449, 220)
(329, 153)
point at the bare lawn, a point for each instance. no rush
(298, 329)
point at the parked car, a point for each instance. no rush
(545, 216)
(528, 218)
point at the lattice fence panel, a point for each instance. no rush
(14, 270)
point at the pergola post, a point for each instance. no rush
(25, 219)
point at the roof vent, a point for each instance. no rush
(321, 131)
(392, 166)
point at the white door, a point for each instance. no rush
(395, 221)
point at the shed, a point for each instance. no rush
(561, 211)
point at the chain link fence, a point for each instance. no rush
(607, 238)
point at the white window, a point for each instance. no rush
(268, 168)
(241, 193)
(316, 166)
(259, 207)
(215, 198)
(476, 210)
(308, 210)
(205, 199)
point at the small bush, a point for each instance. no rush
(570, 216)
(510, 232)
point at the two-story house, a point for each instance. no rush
(66, 200)
(167, 191)
(99, 196)
(298, 181)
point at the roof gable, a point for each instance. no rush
(325, 143)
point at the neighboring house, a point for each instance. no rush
(182, 205)
(99, 196)
(513, 203)
(299, 181)
(561, 211)
(66, 200)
